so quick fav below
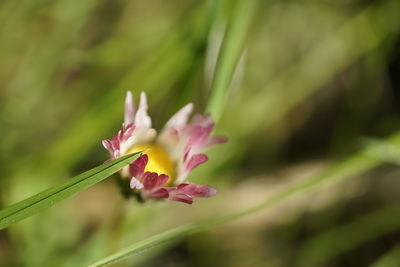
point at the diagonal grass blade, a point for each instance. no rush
(51, 196)
(357, 163)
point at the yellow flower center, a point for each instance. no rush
(159, 160)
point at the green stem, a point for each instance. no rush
(55, 194)
(355, 164)
(389, 259)
(230, 52)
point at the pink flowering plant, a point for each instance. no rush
(162, 171)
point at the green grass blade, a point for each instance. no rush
(51, 196)
(389, 259)
(343, 238)
(355, 164)
(147, 244)
(231, 49)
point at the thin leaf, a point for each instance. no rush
(51, 196)
(230, 52)
(353, 165)
(346, 237)
(389, 259)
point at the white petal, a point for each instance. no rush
(142, 119)
(136, 184)
(129, 109)
(181, 117)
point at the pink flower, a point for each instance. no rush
(161, 173)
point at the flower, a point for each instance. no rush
(161, 172)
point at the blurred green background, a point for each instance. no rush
(315, 83)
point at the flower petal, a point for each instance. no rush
(127, 131)
(152, 180)
(137, 167)
(199, 134)
(142, 119)
(195, 190)
(203, 120)
(195, 161)
(186, 192)
(120, 142)
(216, 140)
(159, 193)
(181, 198)
(136, 184)
(180, 118)
(129, 109)
(144, 133)
(107, 144)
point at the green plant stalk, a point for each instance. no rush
(191, 75)
(230, 52)
(358, 163)
(345, 237)
(51, 196)
(390, 259)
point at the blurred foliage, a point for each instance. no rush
(313, 79)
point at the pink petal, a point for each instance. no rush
(112, 146)
(127, 131)
(118, 144)
(137, 167)
(181, 198)
(115, 142)
(186, 152)
(198, 136)
(203, 120)
(186, 192)
(107, 145)
(195, 190)
(135, 183)
(152, 180)
(216, 140)
(195, 161)
(159, 193)
(180, 118)
(129, 109)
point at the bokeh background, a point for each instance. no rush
(315, 93)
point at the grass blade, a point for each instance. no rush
(353, 165)
(51, 196)
(389, 259)
(231, 49)
(348, 236)
(147, 244)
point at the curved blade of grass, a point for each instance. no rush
(51, 196)
(389, 259)
(343, 238)
(231, 49)
(355, 164)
